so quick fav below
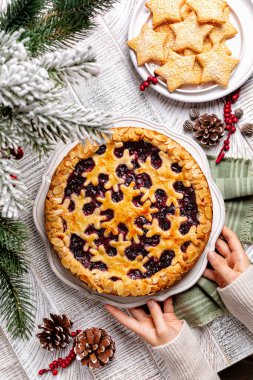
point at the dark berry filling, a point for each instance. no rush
(76, 245)
(143, 180)
(135, 250)
(72, 206)
(111, 251)
(98, 265)
(140, 221)
(101, 149)
(176, 168)
(117, 196)
(89, 208)
(85, 165)
(103, 178)
(156, 161)
(140, 150)
(161, 198)
(185, 227)
(114, 278)
(109, 214)
(135, 274)
(77, 248)
(122, 228)
(184, 246)
(64, 225)
(74, 184)
(137, 201)
(154, 265)
(188, 207)
(95, 191)
(153, 240)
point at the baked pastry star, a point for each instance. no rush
(165, 10)
(223, 31)
(208, 10)
(190, 34)
(178, 70)
(148, 45)
(217, 65)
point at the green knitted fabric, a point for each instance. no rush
(234, 177)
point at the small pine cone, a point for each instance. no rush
(247, 129)
(194, 113)
(56, 332)
(94, 347)
(188, 126)
(238, 113)
(208, 129)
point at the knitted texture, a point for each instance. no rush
(201, 304)
(185, 359)
(238, 298)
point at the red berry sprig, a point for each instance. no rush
(63, 363)
(150, 80)
(230, 120)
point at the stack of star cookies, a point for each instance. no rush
(188, 41)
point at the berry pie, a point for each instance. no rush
(129, 217)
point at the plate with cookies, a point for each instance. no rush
(199, 50)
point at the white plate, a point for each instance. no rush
(241, 47)
(191, 278)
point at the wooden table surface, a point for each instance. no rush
(225, 340)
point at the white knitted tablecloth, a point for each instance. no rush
(225, 340)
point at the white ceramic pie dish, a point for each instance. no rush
(195, 273)
(241, 16)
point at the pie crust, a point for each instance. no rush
(130, 217)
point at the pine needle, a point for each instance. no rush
(20, 14)
(15, 307)
(13, 234)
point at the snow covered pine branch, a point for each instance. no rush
(33, 111)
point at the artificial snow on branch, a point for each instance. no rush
(12, 189)
(71, 64)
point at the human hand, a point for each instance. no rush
(156, 328)
(231, 262)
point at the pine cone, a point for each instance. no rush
(238, 113)
(94, 347)
(194, 113)
(56, 332)
(247, 129)
(188, 126)
(208, 129)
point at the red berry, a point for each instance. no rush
(54, 372)
(41, 372)
(63, 365)
(146, 84)
(226, 142)
(55, 362)
(154, 80)
(235, 120)
(51, 366)
(59, 360)
(234, 97)
(67, 361)
(73, 333)
(13, 176)
(73, 356)
(227, 114)
(142, 88)
(226, 147)
(227, 128)
(233, 129)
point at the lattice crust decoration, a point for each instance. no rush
(129, 217)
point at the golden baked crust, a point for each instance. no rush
(131, 219)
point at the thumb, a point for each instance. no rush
(220, 265)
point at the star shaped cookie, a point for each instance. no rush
(217, 65)
(165, 10)
(208, 10)
(170, 40)
(148, 45)
(190, 34)
(223, 31)
(178, 70)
